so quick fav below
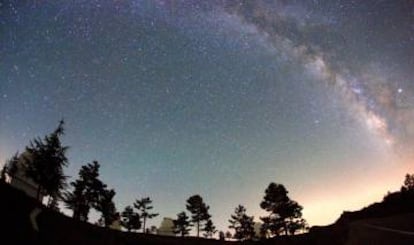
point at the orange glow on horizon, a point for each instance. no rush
(324, 207)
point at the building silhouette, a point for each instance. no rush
(20, 180)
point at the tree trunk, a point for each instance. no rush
(143, 227)
(198, 228)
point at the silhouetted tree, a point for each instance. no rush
(106, 206)
(198, 210)
(86, 191)
(78, 201)
(283, 211)
(45, 163)
(265, 227)
(209, 229)
(221, 236)
(294, 221)
(242, 224)
(181, 224)
(130, 219)
(408, 183)
(144, 206)
(228, 235)
(297, 225)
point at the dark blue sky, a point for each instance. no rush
(217, 98)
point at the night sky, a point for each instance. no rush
(217, 98)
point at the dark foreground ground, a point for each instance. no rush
(362, 227)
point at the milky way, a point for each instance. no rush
(373, 94)
(218, 98)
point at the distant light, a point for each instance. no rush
(400, 90)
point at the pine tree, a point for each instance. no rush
(199, 211)
(283, 212)
(45, 163)
(209, 229)
(144, 206)
(182, 224)
(106, 206)
(86, 191)
(242, 224)
(408, 183)
(297, 225)
(221, 236)
(77, 201)
(130, 219)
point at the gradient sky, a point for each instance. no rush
(217, 98)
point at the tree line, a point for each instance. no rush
(44, 161)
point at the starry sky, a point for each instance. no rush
(217, 98)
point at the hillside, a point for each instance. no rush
(397, 229)
(380, 222)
